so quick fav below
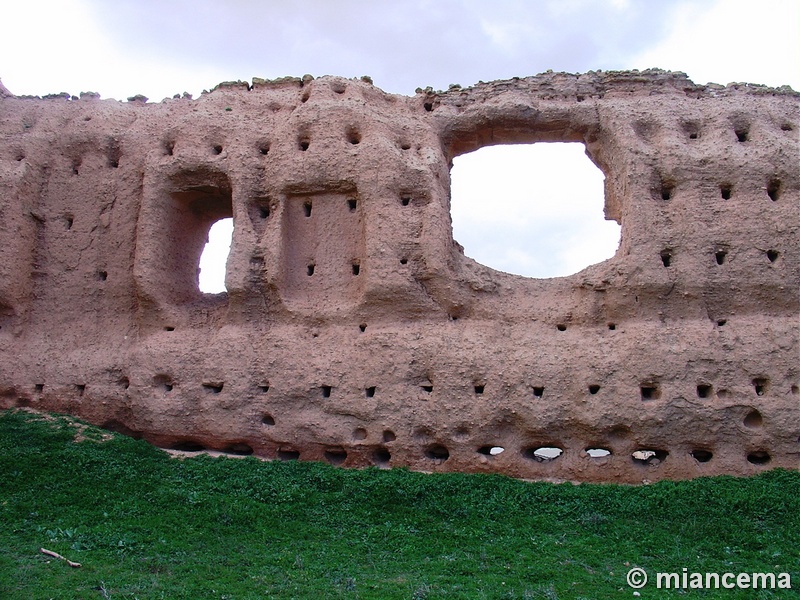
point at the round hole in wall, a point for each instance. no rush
(335, 456)
(543, 453)
(239, 449)
(759, 457)
(288, 454)
(702, 456)
(437, 452)
(381, 457)
(598, 452)
(753, 420)
(649, 456)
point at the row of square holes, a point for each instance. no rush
(303, 144)
(719, 256)
(353, 136)
(308, 206)
(363, 326)
(352, 204)
(774, 190)
(693, 131)
(438, 452)
(650, 391)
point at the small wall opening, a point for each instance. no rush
(704, 390)
(381, 457)
(543, 453)
(651, 457)
(760, 385)
(288, 454)
(598, 452)
(214, 387)
(702, 456)
(650, 391)
(532, 209)
(437, 452)
(666, 257)
(759, 457)
(336, 456)
(239, 449)
(774, 189)
(187, 446)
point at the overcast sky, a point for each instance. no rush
(162, 47)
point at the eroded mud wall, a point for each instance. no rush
(354, 330)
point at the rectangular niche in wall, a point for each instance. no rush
(173, 228)
(323, 250)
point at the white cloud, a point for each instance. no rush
(732, 41)
(60, 46)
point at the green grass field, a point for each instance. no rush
(144, 525)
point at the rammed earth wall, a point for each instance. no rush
(354, 330)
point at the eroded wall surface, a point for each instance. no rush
(354, 330)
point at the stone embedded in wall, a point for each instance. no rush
(354, 331)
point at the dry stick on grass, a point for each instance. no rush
(57, 555)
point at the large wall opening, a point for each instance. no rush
(214, 258)
(200, 198)
(531, 209)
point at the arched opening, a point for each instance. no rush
(531, 209)
(215, 257)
